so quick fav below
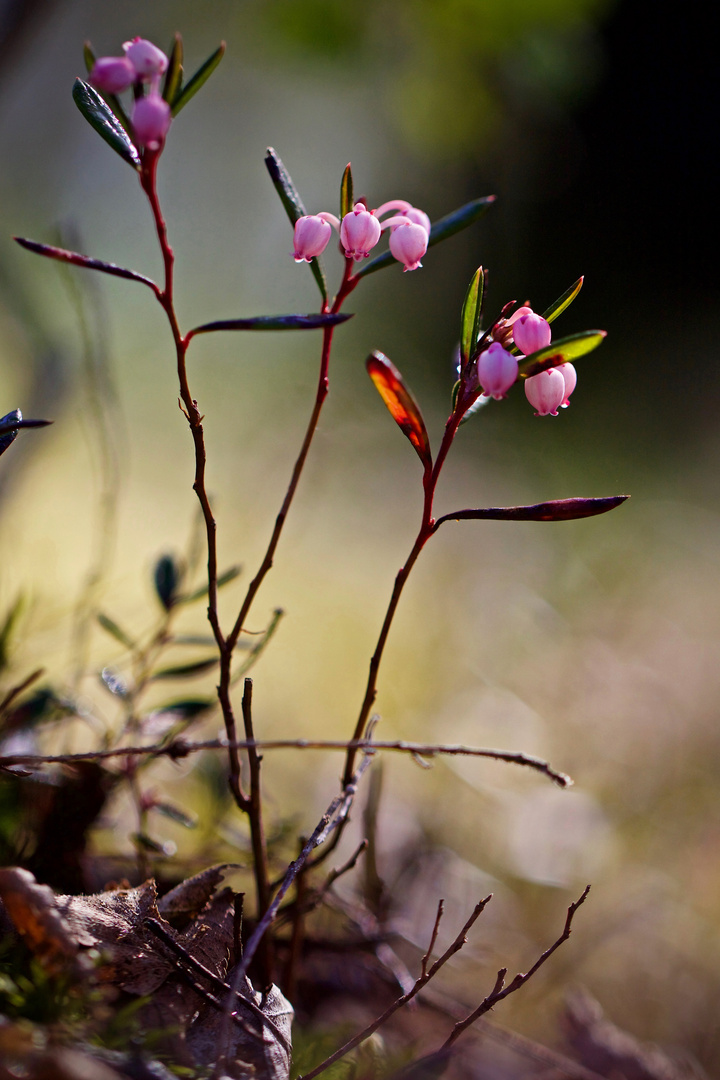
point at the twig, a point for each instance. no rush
(422, 980)
(257, 832)
(14, 691)
(500, 991)
(332, 819)
(189, 960)
(433, 938)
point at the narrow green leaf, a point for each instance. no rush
(88, 56)
(555, 510)
(101, 117)
(563, 351)
(563, 301)
(167, 576)
(440, 230)
(223, 579)
(76, 259)
(112, 628)
(186, 671)
(346, 192)
(6, 630)
(471, 316)
(294, 208)
(186, 709)
(174, 73)
(174, 813)
(273, 322)
(199, 79)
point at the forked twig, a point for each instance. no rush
(422, 980)
(499, 992)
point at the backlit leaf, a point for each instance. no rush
(112, 628)
(471, 315)
(199, 79)
(401, 404)
(101, 117)
(346, 192)
(563, 301)
(174, 73)
(564, 351)
(76, 259)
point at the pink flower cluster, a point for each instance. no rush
(497, 368)
(141, 67)
(361, 229)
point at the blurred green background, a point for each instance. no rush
(595, 643)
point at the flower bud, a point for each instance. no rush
(416, 217)
(311, 237)
(112, 74)
(569, 374)
(359, 232)
(497, 371)
(408, 244)
(546, 391)
(146, 58)
(151, 120)
(531, 332)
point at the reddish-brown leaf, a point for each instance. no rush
(402, 405)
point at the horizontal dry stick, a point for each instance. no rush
(422, 980)
(179, 748)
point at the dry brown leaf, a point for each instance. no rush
(187, 899)
(33, 912)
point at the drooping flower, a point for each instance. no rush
(502, 330)
(112, 74)
(359, 232)
(569, 374)
(151, 120)
(147, 60)
(408, 244)
(546, 391)
(497, 371)
(312, 234)
(531, 332)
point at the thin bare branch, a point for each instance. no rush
(180, 748)
(499, 992)
(422, 980)
(433, 938)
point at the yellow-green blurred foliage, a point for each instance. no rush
(593, 644)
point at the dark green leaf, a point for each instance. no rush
(273, 322)
(346, 192)
(88, 56)
(142, 840)
(440, 230)
(471, 316)
(9, 429)
(199, 79)
(186, 709)
(564, 351)
(76, 259)
(556, 510)
(167, 576)
(223, 579)
(100, 116)
(169, 810)
(186, 671)
(294, 208)
(174, 73)
(563, 301)
(112, 628)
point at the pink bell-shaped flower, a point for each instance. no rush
(112, 74)
(569, 374)
(311, 237)
(497, 371)
(531, 332)
(408, 244)
(546, 391)
(151, 120)
(359, 232)
(146, 58)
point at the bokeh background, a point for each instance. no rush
(594, 643)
